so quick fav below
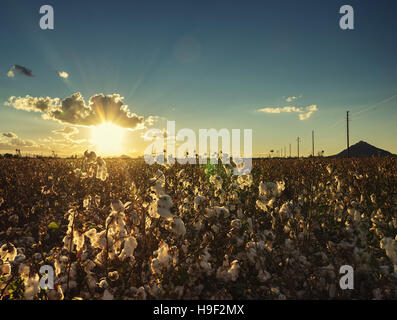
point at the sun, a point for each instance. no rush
(108, 138)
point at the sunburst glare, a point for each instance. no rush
(108, 138)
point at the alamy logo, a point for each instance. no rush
(347, 280)
(165, 143)
(346, 22)
(47, 279)
(47, 21)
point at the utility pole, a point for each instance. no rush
(290, 150)
(285, 152)
(313, 143)
(347, 132)
(298, 140)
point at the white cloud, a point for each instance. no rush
(290, 99)
(63, 74)
(279, 110)
(73, 110)
(67, 131)
(12, 141)
(10, 135)
(304, 113)
(19, 69)
(309, 112)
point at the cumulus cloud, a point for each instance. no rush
(13, 141)
(10, 135)
(63, 145)
(73, 110)
(308, 113)
(290, 99)
(29, 103)
(280, 110)
(67, 131)
(19, 69)
(304, 113)
(63, 74)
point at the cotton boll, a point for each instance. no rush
(113, 276)
(262, 203)
(234, 270)
(245, 181)
(162, 207)
(163, 254)
(153, 210)
(209, 212)
(141, 294)
(78, 240)
(263, 275)
(236, 224)
(103, 284)
(91, 281)
(102, 171)
(67, 242)
(90, 233)
(31, 287)
(215, 228)
(107, 295)
(56, 293)
(89, 265)
(204, 261)
(61, 264)
(155, 266)
(100, 240)
(117, 206)
(198, 201)
(390, 246)
(130, 245)
(19, 258)
(222, 211)
(198, 225)
(87, 202)
(5, 269)
(90, 156)
(158, 183)
(24, 271)
(8, 252)
(178, 226)
(267, 188)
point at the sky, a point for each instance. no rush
(281, 68)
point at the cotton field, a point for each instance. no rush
(122, 229)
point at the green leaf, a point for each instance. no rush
(53, 226)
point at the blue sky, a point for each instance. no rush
(209, 64)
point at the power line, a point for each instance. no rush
(366, 109)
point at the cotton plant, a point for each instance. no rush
(162, 259)
(245, 181)
(390, 246)
(268, 192)
(178, 227)
(102, 171)
(31, 282)
(217, 181)
(161, 207)
(228, 271)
